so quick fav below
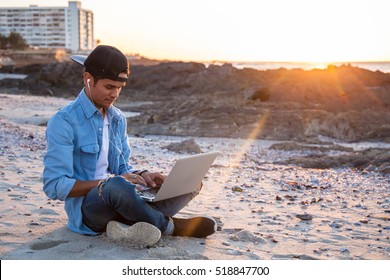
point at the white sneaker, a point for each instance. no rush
(139, 235)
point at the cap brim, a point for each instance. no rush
(79, 59)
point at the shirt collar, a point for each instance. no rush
(90, 109)
(88, 106)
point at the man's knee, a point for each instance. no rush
(119, 187)
(117, 180)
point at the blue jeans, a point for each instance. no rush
(118, 200)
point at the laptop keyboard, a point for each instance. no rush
(146, 192)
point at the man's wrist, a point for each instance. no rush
(138, 172)
(142, 172)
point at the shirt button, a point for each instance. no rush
(100, 129)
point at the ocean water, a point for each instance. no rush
(383, 66)
(12, 76)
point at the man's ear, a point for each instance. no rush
(87, 78)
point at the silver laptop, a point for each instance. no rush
(185, 177)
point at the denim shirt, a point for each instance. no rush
(74, 139)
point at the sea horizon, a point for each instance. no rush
(383, 66)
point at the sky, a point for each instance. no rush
(241, 30)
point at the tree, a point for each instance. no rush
(3, 41)
(16, 41)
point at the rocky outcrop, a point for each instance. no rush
(369, 160)
(190, 99)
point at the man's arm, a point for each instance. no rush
(81, 188)
(58, 161)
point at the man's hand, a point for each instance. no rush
(153, 179)
(135, 179)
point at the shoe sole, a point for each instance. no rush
(199, 227)
(139, 235)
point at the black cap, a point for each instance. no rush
(106, 62)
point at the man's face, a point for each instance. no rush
(104, 93)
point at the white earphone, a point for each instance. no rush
(89, 90)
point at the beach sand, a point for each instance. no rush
(264, 210)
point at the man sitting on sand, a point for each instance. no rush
(87, 163)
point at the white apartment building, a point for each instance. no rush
(50, 27)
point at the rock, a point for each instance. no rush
(304, 217)
(336, 225)
(234, 252)
(186, 146)
(246, 236)
(237, 189)
(47, 92)
(186, 98)
(361, 206)
(365, 159)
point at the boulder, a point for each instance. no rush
(186, 146)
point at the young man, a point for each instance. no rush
(87, 162)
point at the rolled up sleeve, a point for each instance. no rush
(58, 170)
